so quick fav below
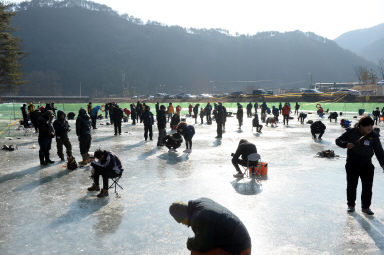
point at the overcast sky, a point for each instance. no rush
(329, 18)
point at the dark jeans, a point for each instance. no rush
(249, 113)
(188, 142)
(162, 134)
(258, 128)
(45, 146)
(105, 173)
(314, 134)
(219, 129)
(94, 119)
(202, 120)
(209, 118)
(146, 130)
(240, 121)
(117, 126)
(285, 119)
(68, 146)
(85, 143)
(237, 162)
(366, 173)
(301, 119)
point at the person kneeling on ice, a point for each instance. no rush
(362, 142)
(244, 149)
(317, 127)
(108, 166)
(217, 230)
(187, 131)
(271, 121)
(172, 142)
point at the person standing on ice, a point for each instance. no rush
(286, 111)
(244, 149)
(361, 143)
(202, 114)
(240, 114)
(376, 115)
(94, 113)
(249, 110)
(297, 107)
(217, 230)
(161, 125)
(25, 115)
(256, 107)
(187, 131)
(196, 112)
(190, 108)
(108, 166)
(83, 132)
(46, 133)
(280, 107)
(117, 117)
(133, 114)
(170, 111)
(148, 122)
(208, 113)
(62, 128)
(219, 120)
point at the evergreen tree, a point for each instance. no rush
(10, 52)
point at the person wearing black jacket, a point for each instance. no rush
(240, 114)
(196, 112)
(62, 128)
(161, 125)
(133, 114)
(361, 143)
(217, 230)
(249, 110)
(297, 107)
(224, 117)
(317, 127)
(376, 115)
(108, 166)
(46, 133)
(244, 149)
(83, 132)
(148, 122)
(139, 110)
(117, 118)
(219, 120)
(25, 115)
(157, 107)
(35, 115)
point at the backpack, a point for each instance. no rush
(72, 164)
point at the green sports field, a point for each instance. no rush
(11, 111)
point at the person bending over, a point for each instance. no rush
(187, 131)
(108, 166)
(244, 149)
(217, 230)
(302, 117)
(317, 127)
(172, 142)
(362, 142)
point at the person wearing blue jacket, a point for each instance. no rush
(217, 230)
(187, 131)
(148, 122)
(94, 112)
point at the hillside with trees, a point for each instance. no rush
(75, 42)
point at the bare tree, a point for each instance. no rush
(358, 72)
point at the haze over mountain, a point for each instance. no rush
(368, 43)
(76, 41)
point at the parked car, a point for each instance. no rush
(310, 91)
(259, 92)
(350, 92)
(189, 96)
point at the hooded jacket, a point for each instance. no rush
(83, 124)
(161, 119)
(215, 227)
(61, 126)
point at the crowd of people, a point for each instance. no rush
(361, 141)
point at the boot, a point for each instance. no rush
(94, 187)
(103, 193)
(85, 159)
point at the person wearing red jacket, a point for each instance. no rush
(286, 111)
(190, 108)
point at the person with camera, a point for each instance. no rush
(362, 142)
(244, 149)
(46, 133)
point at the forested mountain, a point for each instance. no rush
(75, 41)
(368, 43)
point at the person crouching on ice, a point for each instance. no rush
(108, 166)
(187, 131)
(173, 141)
(244, 149)
(217, 230)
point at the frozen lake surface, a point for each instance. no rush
(299, 209)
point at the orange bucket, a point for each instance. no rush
(261, 168)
